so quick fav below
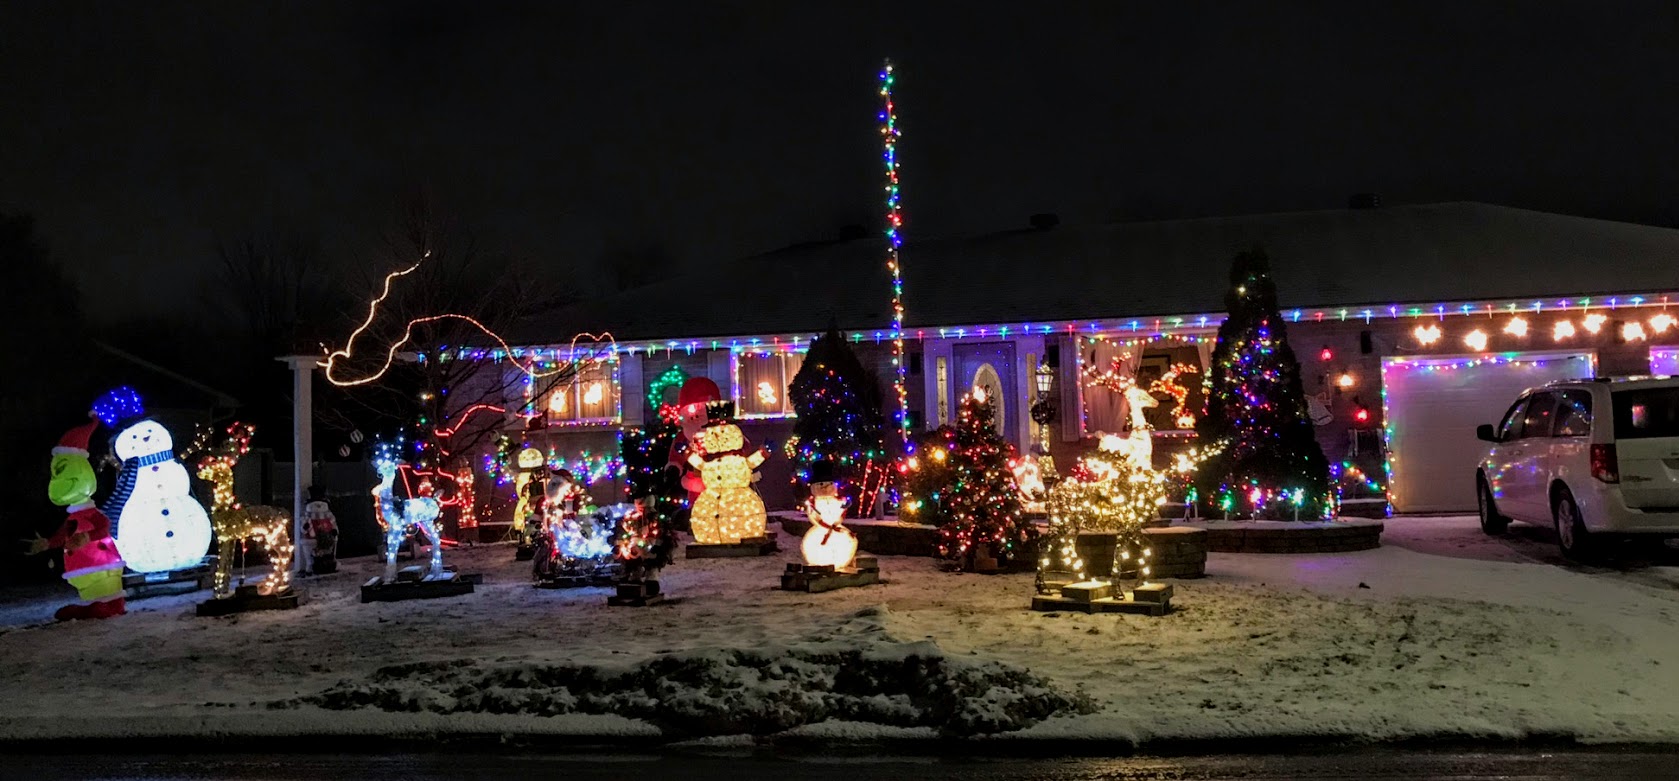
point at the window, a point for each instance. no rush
(1511, 427)
(1574, 414)
(761, 381)
(1541, 410)
(589, 397)
(1647, 413)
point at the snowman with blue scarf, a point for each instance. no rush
(157, 523)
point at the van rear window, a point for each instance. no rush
(1646, 413)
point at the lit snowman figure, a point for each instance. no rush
(159, 526)
(827, 542)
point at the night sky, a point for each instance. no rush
(139, 133)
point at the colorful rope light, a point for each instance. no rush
(894, 241)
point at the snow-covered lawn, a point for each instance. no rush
(1439, 633)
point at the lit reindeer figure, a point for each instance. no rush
(396, 515)
(236, 523)
(1138, 446)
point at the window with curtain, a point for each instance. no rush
(1108, 367)
(761, 381)
(590, 397)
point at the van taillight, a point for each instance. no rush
(1604, 466)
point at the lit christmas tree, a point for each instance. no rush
(645, 536)
(839, 421)
(1264, 457)
(960, 480)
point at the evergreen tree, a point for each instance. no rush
(838, 407)
(960, 480)
(1265, 459)
(643, 541)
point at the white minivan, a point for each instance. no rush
(1586, 457)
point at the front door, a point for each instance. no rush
(988, 365)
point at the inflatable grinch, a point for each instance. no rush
(91, 561)
(727, 510)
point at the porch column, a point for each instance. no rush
(303, 447)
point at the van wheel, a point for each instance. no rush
(1572, 537)
(1491, 522)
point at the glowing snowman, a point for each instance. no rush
(160, 527)
(827, 542)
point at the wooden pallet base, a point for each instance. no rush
(757, 546)
(245, 599)
(817, 579)
(642, 593)
(1153, 599)
(180, 581)
(591, 580)
(413, 583)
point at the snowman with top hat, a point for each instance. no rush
(158, 525)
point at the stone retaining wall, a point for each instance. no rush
(1351, 534)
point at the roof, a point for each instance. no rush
(1378, 257)
(159, 387)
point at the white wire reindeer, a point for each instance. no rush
(1138, 446)
(420, 512)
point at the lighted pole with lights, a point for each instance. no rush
(894, 243)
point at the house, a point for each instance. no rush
(1412, 324)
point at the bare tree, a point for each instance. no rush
(448, 301)
(275, 291)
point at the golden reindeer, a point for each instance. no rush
(236, 523)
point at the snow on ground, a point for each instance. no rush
(1442, 632)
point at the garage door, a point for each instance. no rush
(1433, 406)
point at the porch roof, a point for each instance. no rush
(1429, 255)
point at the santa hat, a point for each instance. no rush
(698, 390)
(74, 441)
